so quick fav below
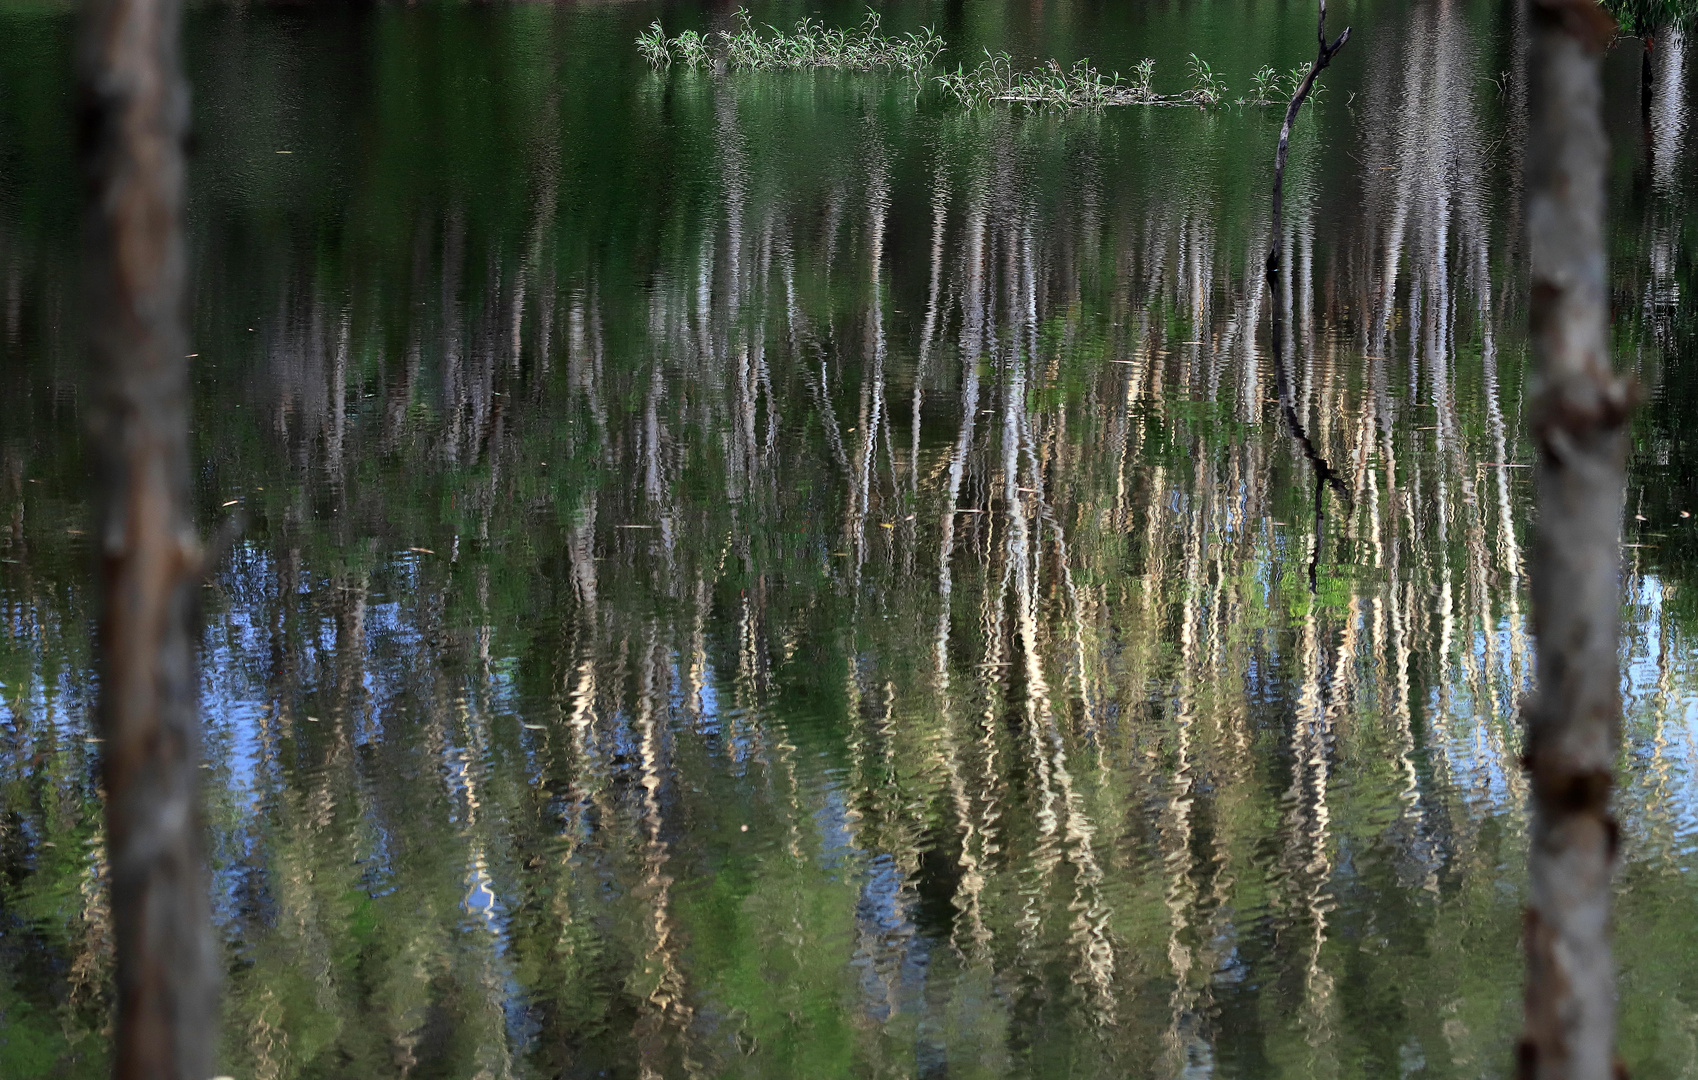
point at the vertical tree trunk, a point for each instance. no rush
(1647, 72)
(135, 107)
(1578, 426)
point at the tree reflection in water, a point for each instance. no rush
(810, 583)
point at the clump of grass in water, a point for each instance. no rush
(811, 45)
(1268, 87)
(1052, 86)
(691, 48)
(1264, 88)
(1207, 89)
(994, 80)
(1142, 78)
(1294, 79)
(653, 46)
(1082, 87)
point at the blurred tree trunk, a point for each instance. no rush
(1579, 428)
(1647, 71)
(134, 113)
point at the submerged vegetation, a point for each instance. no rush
(810, 45)
(995, 80)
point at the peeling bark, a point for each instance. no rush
(134, 112)
(1579, 427)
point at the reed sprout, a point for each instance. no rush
(1143, 76)
(1265, 89)
(1207, 89)
(1269, 87)
(1294, 79)
(691, 49)
(653, 46)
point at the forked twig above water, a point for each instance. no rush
(1324, 473)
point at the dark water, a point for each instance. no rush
(771, 575)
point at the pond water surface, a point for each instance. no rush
(775, 575)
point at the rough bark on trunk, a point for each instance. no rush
(134, 111)
(1579, 428)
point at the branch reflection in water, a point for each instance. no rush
(1324, 473)
(785, 580)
